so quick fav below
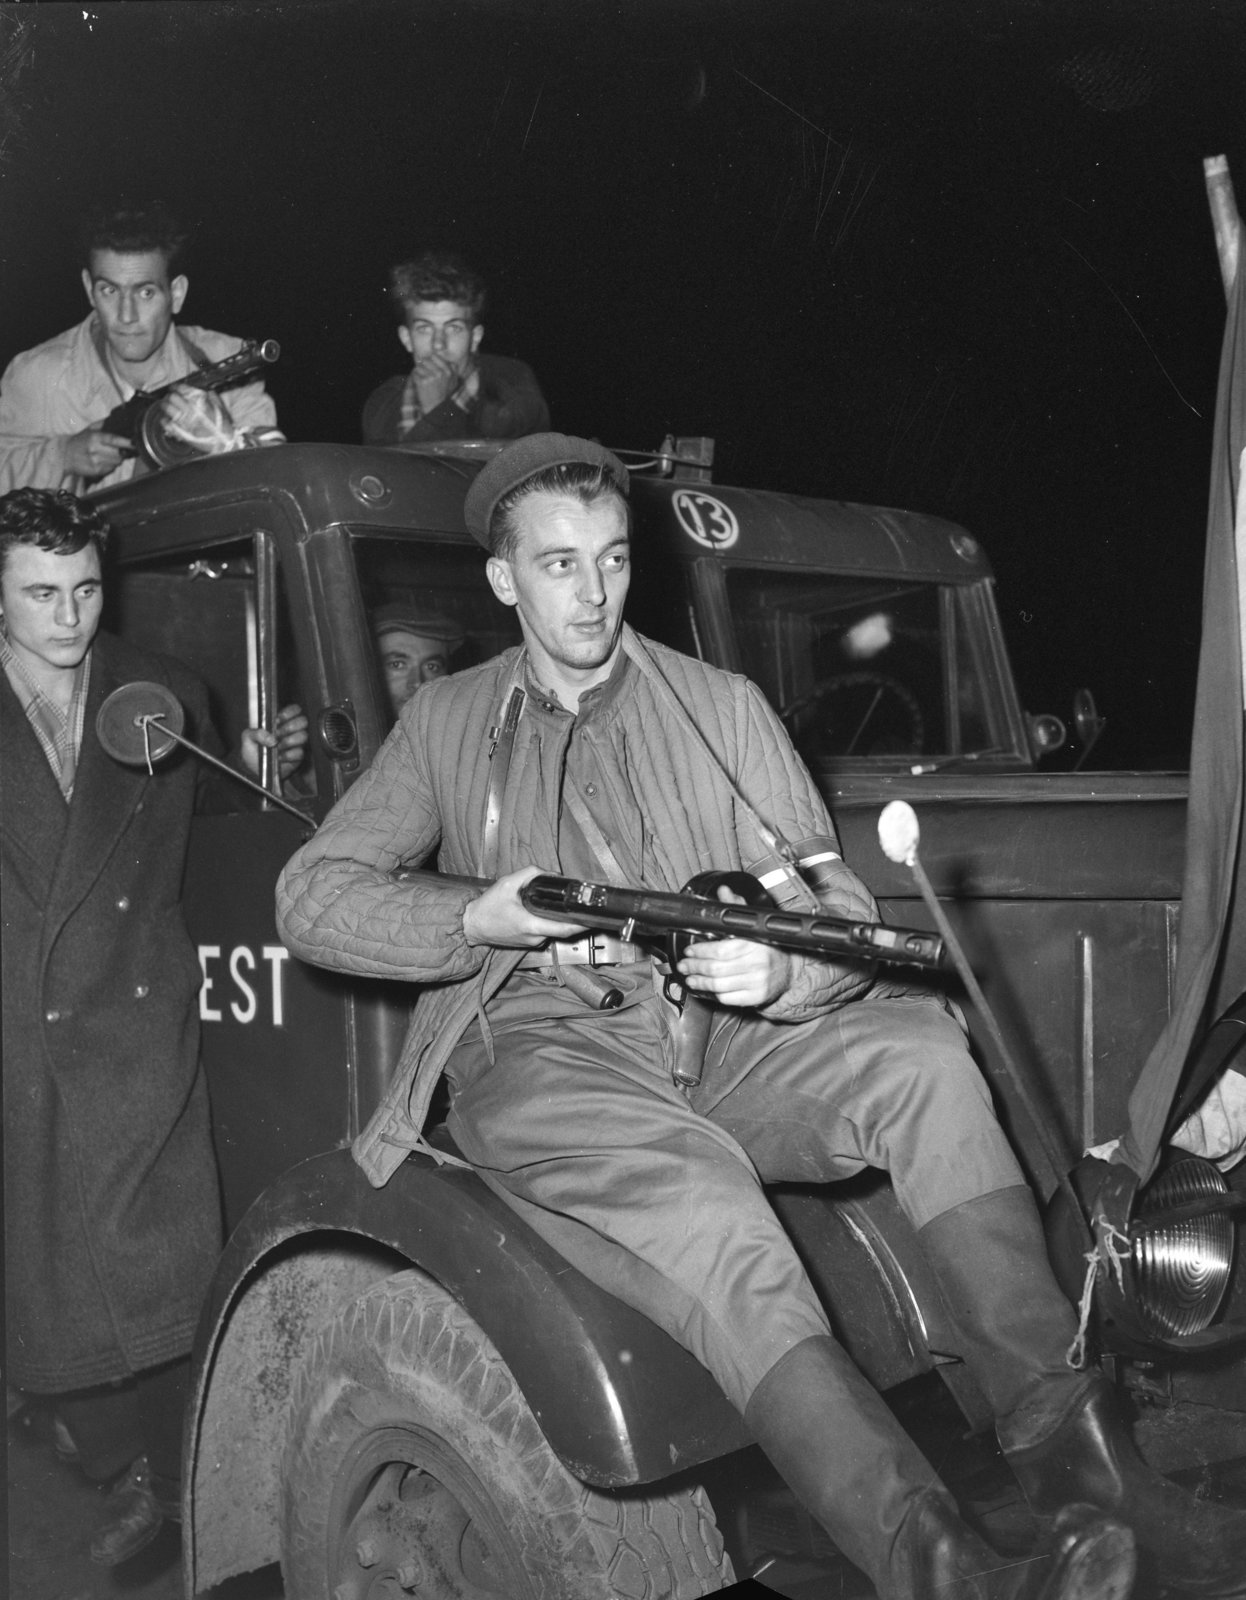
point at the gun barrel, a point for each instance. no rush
(231, 369)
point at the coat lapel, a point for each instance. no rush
(34, 814)
(104, 798)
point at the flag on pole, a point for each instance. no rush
(1211, 941)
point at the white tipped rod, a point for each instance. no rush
(898, 834)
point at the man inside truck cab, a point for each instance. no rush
(55, 398)
(593, 752)
(454, 389)
(112, 1211)
(415, 646)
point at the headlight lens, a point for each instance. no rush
(1181, 1269)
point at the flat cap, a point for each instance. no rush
(397, 616)
(523, 459)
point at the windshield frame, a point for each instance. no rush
(971, 641)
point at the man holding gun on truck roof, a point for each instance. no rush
(593, 752)
(55, 399)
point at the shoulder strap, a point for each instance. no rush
(784, 851)
(192, 349)
(593, 836)
(500, 752)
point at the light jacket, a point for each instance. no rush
(54, 391)
(424, 796)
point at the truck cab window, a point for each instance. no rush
(862, 668)
(202, 606)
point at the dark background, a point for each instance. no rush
(954, 256)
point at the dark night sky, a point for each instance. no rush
(946, 255)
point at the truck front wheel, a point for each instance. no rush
(414, 1465)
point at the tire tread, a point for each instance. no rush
(405, 1332)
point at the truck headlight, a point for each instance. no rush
(1182, 1250)
(1161, 1268)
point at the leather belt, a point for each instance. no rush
(590, 950)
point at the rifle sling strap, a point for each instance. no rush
(594, 838)
(500, 754)
(198, 356)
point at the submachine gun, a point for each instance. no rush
(668, 923)
(697, 913)
(140, 418)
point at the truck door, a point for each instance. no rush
(275, 1034)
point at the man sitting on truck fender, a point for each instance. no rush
(453, 391)
(634, 764)
(54, 398)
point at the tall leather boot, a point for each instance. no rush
(840, 1450)
(1193, 1546)
(1060, 1429)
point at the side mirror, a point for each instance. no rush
(1088, 723)
(140, 723)
(1047, 733)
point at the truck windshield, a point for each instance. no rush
(870, 668)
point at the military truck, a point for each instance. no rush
(403, 1390)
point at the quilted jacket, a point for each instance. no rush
(707, 760)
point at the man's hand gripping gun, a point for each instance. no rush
(141, 418)
(668, 923)
(674, 921)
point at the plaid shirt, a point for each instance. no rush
(59, 732)
(464, 397)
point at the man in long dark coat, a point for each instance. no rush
(112, 1212)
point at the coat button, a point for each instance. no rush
(140, 991)
(124, 903)
(590, 789)
(51, 1016)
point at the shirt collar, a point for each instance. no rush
(59, 732)
(594, 702)
(161, 373)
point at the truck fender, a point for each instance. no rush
(619, 1401)
(882, 1297)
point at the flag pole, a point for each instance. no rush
(1211, 948)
